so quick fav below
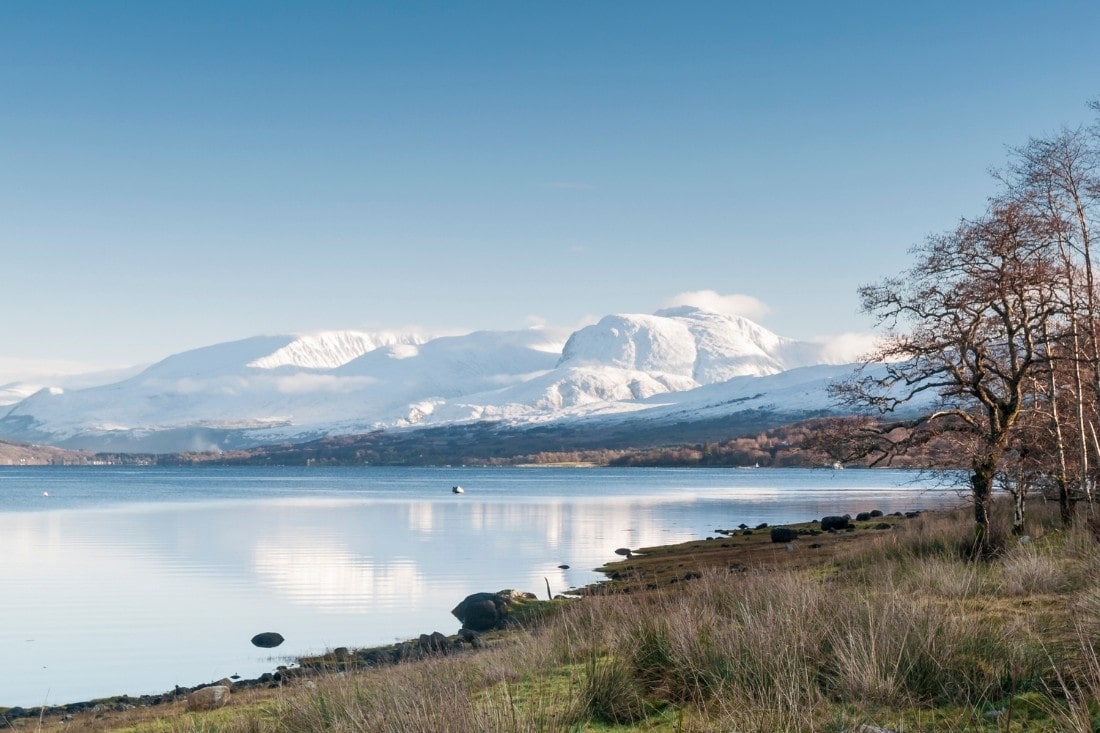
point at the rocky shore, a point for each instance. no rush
(486, 617)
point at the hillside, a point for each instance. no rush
(20, 454)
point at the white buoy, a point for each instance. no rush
(456, 489)
(45, 493)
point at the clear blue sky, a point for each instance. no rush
(175, 174)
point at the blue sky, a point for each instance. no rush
(175, 174)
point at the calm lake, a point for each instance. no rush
(133, 580)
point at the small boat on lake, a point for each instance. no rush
(457, 489)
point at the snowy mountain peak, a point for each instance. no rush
(320, 350)
(684, 342)
(330, 349)
(637, 342)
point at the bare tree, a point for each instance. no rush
(964, 341)
(1055, 178)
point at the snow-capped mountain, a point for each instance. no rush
(294, 387)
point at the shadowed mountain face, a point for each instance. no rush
(681, 364)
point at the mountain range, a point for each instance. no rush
(678, 365)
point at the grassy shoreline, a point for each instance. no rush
(889, 626)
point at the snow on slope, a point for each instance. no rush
(295, 386)
(323, 350)
(20, 379)
(330, 349)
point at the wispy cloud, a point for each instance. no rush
(710, 300)
(848, 347)
(61, 372)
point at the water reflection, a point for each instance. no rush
(328, 577)
(421, 516)
(161, 578)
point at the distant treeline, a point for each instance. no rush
(796, 445)
(787, 446)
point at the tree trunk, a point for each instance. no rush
(1061, 470)
(1065, 503)
(981, 484)
(1019, 499)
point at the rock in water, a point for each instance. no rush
(267, 640)
(208, 698)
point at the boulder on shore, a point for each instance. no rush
(208, 698)
(784, 534)
(481, 611)
(488, 611)
(835, 523)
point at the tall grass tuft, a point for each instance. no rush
(610, 693)
(752, 640)
(946, 577)
(893, 650)
(1028, 570)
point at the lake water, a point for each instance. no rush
(133, 580)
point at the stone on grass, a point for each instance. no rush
(784, 534)
(208, 698)
(834, 523)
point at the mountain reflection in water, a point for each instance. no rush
(134, 581)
